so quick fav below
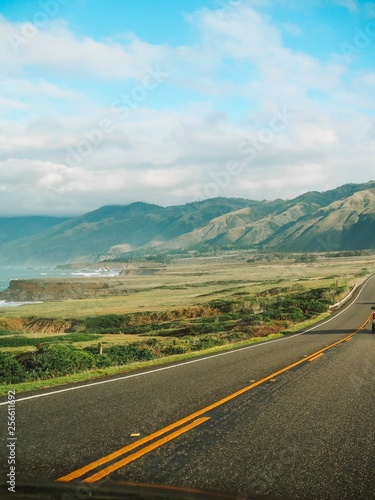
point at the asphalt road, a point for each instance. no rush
(272, 419)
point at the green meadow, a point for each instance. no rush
(189, 306)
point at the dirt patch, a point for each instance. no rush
(37, 325)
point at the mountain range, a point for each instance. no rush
(338, 219)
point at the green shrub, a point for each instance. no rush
(16, 342)
(5, 332)
(108, 323)
(11, 372)
(140, 329)
(295, 314)
(21, 341)
(123, 354)
(224, 306)
(26, 360)
(155, 343)
(60, 359)
(297, 306)
(171, 349)
(101, 360)
(207, 341)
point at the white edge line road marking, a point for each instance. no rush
(188, 362)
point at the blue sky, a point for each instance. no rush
(170, 102)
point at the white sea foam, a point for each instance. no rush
(5, 303)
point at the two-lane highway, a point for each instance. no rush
(292, 417)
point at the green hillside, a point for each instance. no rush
(339, 219)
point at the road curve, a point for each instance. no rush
(291, 418)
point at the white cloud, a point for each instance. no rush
(347, 4)
(53, 161)
(369, 9)
(57, 50)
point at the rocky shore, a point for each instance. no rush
(62, 289)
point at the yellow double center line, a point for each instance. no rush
(193, 420)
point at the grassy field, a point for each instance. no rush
(191, 306)
(192, 281)
(118, 370)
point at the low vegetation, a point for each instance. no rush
(221, 321)
(190, 304)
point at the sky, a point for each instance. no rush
(170, 102)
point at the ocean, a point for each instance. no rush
(8, 273)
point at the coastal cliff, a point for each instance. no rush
(64, 289)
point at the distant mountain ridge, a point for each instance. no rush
(338, 219)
